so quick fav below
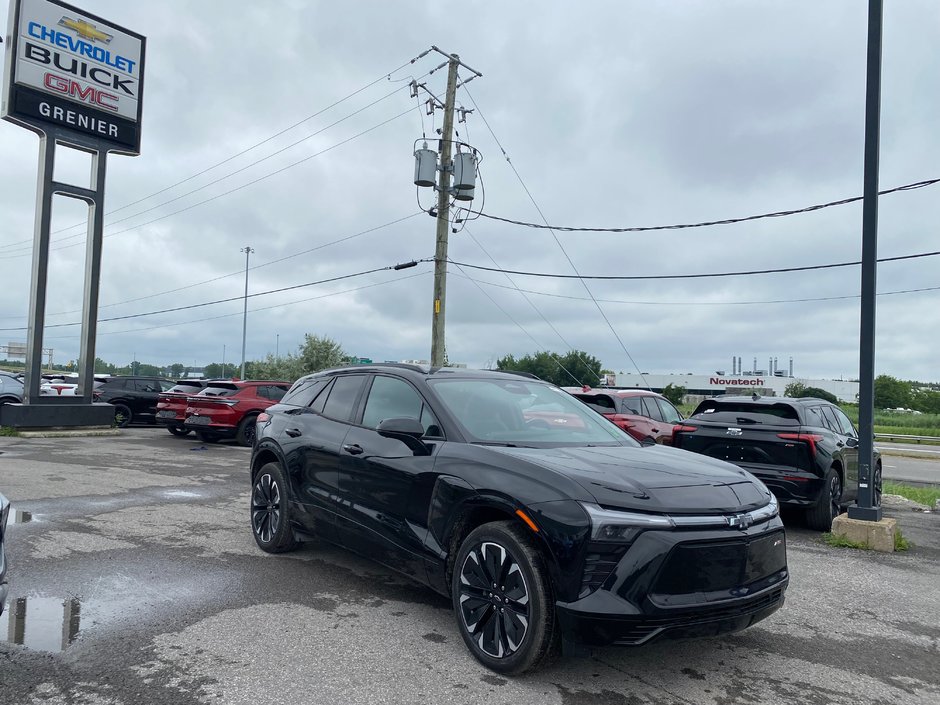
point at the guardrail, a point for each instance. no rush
(933, 440)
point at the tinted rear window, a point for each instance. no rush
(742, 412)
(219, 390)
(599, 402)
(185, 388)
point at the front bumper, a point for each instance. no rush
(678, 584)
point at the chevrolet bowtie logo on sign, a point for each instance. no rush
(85, 30)
(73, 71)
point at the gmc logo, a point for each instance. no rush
(73, 89)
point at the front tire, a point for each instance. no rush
(270, 511)
(829, 505)
(503, 599)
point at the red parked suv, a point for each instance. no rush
(230, 409)
(171, 405)
(647, 416)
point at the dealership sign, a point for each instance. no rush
(74, 71)
(742, 382)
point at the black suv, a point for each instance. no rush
(539, 518)
(134, 398)
(804, 450)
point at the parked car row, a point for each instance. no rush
(217, 409)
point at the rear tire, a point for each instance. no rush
(270, 511)
(504, 599)
(829, 505)
(178, 431)
(122, 415)
(246, 431)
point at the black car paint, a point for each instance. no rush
(403, 507)
(123, 390)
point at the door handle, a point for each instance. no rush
(293, 432)
(353, 448)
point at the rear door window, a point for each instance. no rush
(632, 405)
(305, 392)
(814, 417)
(343, 396)
(832, 423)
(650, 409)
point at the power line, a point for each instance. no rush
(647, 277)
(705, 224)
(254, 310)
(554, 236)
(532, 304)
(237, 188)
(257, 266)
(234, 298)
(700, 303)
(248, 149)
(521, 327)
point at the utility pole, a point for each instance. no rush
(247, 250)
(277, 347)
(223, 362)
(443, 216)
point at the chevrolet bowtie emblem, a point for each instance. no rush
(85, 30)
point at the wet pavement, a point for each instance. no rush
(135, 579)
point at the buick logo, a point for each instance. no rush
(740, 521)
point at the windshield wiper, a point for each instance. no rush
(502, 444)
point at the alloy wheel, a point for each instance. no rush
(494, 599)
(265, 508)
(877, 486)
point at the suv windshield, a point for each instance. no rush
(519, 412)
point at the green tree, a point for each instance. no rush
(891, 393)
(320, 352)
(794, 390)
(177, 369)
(576, 368)
(674, 393)
(103, 368)
(926, 400)
(819, 394)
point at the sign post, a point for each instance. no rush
(77, 81)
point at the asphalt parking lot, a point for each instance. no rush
(135, 579)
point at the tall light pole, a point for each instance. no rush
(247, 250)
(277, 347)
(223, 361)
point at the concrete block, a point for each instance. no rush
(876, 535)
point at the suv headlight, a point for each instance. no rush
(622, 527)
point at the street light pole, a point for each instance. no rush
(247, 250)
(277, 347)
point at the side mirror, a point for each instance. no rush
(647, 442)
(851, 442)
(405, 429)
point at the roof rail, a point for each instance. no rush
(520, 373)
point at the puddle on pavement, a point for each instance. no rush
(180, 493)
(41, 623)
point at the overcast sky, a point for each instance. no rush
(614, 114)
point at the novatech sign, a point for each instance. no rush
(742, 382)
(74, 70)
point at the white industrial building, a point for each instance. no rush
(741, 383)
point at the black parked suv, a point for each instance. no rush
(134, 398)
(539, 518)
(804, 450)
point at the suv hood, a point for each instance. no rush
(652, 478)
